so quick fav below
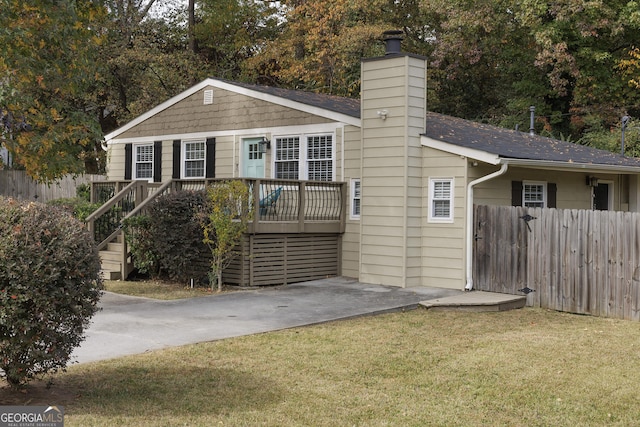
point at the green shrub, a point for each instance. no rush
(78, 207)
(224, 222)
(177, 235)
(139, 236)
(50, 284)
(83, 191)
(167, 241)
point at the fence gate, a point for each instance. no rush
(577, 261)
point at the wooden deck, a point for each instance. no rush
(290, 215)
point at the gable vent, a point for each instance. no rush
(208, 97)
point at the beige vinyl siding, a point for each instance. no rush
(115, 162)
(390, 246)
(167, 159)
(352, 169)
(443, 257)
(224, 156)
(572, 190)
(229, 111)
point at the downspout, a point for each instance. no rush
(469, 246)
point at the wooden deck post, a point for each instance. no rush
(302, 203)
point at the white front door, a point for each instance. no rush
(253, 159)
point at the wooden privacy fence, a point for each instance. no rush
(576, 261)
(18, 185)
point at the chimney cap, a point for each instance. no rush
(392, 40)
(393, 34)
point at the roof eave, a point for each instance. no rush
(557, 165)
(494, 159)
(479, 155)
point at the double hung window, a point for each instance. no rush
(441, 200)
(143, 160)
(305, 157)
(534, 194)
(355, 198)
(287, 157)
(194, 159)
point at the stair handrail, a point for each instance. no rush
(110, 203)
(149, 199)
(106, 207)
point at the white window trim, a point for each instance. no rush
(431, 200)
(183, 158)
(303, 161)
(134, 161)
(352, 214)
(544, 192)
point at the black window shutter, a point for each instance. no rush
(176, 159)
(128, 160)
(552, 189)
(157, 161)
(516, 193)
(210, 163)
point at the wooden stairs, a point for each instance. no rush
(116, 264)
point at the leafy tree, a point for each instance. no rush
(50, 284)
(579, 46)
(478, 61)
(48, 76)
(229, 32)
(146, 60)
(320, 45)
(630, 66)
(224, 222)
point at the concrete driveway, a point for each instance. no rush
(131, 325)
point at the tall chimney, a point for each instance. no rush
(392, 40)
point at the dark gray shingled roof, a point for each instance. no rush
(337, 104)
(506, 143)
(512, 144)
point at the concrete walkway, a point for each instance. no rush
(476, 301)
(131, 325)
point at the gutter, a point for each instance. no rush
(569, 166)
(469, 239)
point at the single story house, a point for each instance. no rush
(411, 176)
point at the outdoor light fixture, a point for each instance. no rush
(592, 181)
(264, 144)
(383, 114)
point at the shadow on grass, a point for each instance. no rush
(118, 388)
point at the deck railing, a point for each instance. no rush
(279, 206)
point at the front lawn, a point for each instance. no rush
(528, 367)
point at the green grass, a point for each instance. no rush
(526, 367)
